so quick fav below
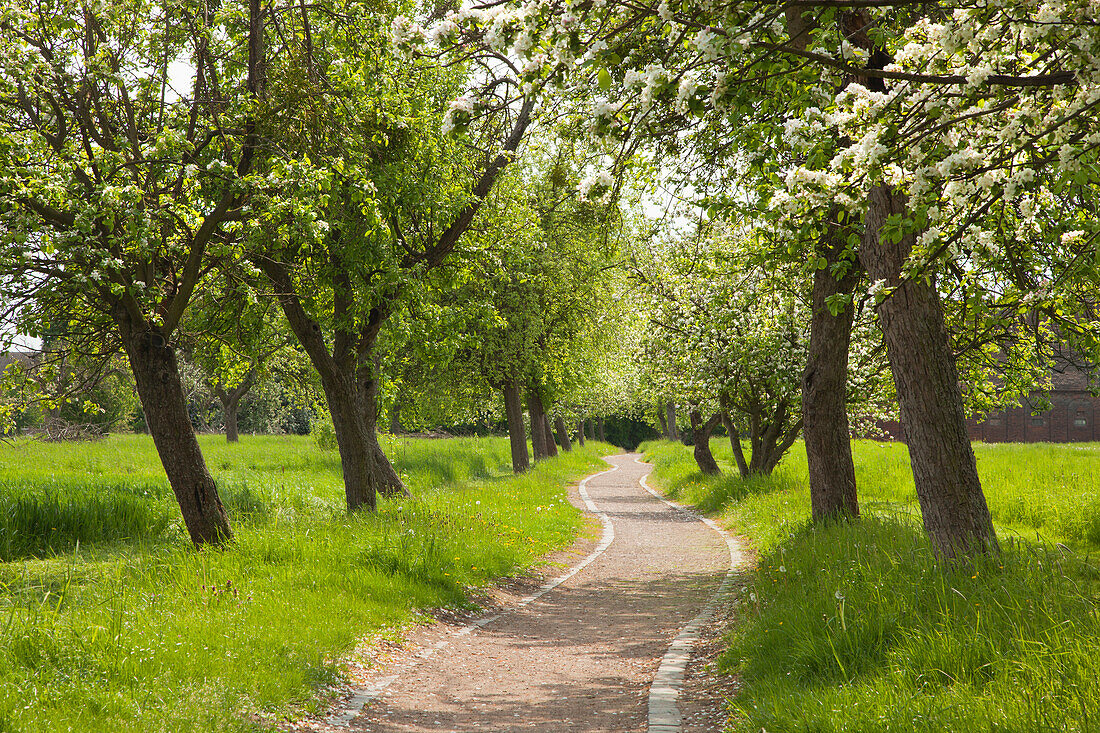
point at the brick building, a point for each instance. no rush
(1072, 418)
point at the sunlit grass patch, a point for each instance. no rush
(142, 633)
(858, 627)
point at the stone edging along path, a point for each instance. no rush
(417, 693)
(664, 714)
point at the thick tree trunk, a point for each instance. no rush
(563, 433)
(230, 410)
(580, 433)
(538, 425)
(157, 376)
(383, 475)
(918, 346)
(824, 387)
(590, 426)
(700, 433)
(350, 427)
(551, 446)
(602, 431)
(670, 418)
(517, 436)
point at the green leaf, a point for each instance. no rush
(604, 79)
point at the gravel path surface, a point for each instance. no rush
(580, 657)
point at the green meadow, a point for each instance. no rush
(858, 627)
(111, 621)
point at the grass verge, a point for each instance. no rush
(857, 627)
(115, 626)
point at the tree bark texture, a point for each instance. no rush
(538, 425)
(602, 430)
(922, 362)
(563, 433)
(517, 436)
(548, 431)
(348, 421)
(580, 433)
(700, 433)
(383, 474)
(662, 422)
(824, 388)
(590, 426)
(157, 376)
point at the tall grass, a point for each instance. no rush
(135, 631)
(858, 627)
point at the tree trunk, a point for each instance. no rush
(735, 445)
(700, 433)
(551, 446)
(670, 418)
(230, 409)
(824, 387)
(156, 373)
(231, 404)
(383, 475)
(580, 433)
(563, 433)
(538, 425)
(395, 420)
(517, 436)
(590, 426)
(349, 382)
(918, 346)
(662, 421)
(350, 428)
(603, 432)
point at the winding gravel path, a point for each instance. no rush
(583, 655)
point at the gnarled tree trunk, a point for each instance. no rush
(918, 346)
(517, 436)
(383, 474)
(346, 410)
(563, 433)
(700, 433)
(539, 438)
(551, 446)
(348, 378)
(770, 436)
(153, 361)
(824, 388)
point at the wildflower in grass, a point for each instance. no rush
(839, 596)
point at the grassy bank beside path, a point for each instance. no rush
(109, 621)
(857, 627)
